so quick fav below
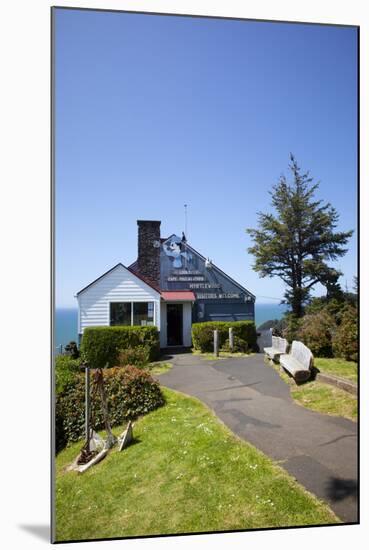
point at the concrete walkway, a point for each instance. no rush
(320, 451)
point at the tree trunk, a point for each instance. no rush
(297, 302)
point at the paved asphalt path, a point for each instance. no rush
(248, 395)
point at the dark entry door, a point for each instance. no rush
(174, 324)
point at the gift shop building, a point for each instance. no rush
(170, 285)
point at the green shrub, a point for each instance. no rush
(100, 346)
(131, 392)
(331, 306)
(139, 356)
(66, 370)
(288, 327)
(239, 345)
(345, 339)
(316, 333)
(203, 337)
(60, 434)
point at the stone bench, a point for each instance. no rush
(279, 346)
(298, 362)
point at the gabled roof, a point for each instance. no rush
(134, 267)
(220, 271)
(144, 279)
(139, 276)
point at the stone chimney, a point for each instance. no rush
(148, 260)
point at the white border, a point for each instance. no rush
(25, 103)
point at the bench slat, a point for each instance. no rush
(298, 362)
(279, 346)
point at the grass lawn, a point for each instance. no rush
(337, 367)
(321, 397)
(326, 399)
(159, 367)
(186, 473)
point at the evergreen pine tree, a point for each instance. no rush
(297, 241)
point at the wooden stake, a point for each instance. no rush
(231, 339)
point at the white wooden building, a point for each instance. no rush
(118, 285)
(100, 303)
(169, 286)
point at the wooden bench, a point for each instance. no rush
(279, 346)
(298, 362)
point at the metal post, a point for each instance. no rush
(231, 339)
(185, 232)
(216, 343)
(61, 349)
(87, 406)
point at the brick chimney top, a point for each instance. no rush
(148, 260)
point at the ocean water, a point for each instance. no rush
(66, 321)
(266, 312)
(66, 326)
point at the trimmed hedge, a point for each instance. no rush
(131, 392)
(100, 346)
(203, 337)
(239, 345)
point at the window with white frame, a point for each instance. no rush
(120, 313)
(143, 313)
(131, 313)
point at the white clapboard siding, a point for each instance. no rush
(118, 285)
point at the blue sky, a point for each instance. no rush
(153, 112)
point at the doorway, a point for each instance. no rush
(175, 324)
